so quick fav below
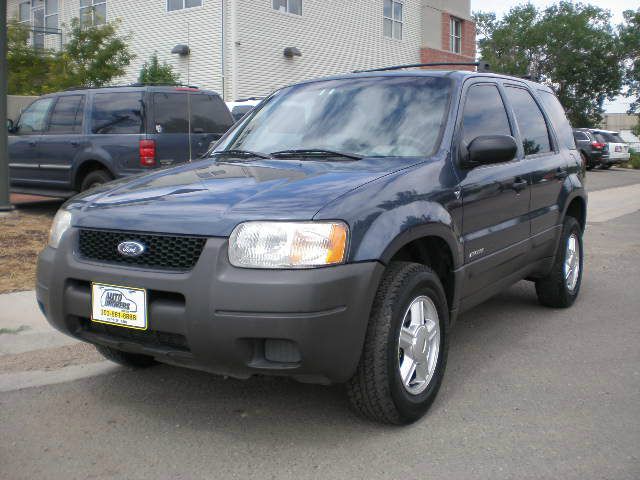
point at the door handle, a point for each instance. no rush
(520, 184)
(32, 143)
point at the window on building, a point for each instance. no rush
(67, 115)
(93, 12)
(288, 6)
(393, 19)
(51, 16)
(38, 27)
(455, 35)
(484, 113)
(531, 123)
(182, 4)
(117, 113)
(24, 12)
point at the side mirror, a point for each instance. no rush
(489, 149)
(10, 125)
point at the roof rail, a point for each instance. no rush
(482, 66)
(137, 84)
(248, 99)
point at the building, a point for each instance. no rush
(243, 48)
(619, 121)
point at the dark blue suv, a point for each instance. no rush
(334, 235)
(68, 142)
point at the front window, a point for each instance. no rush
(288, 6)
(173, 5)
(373, 117)
(34, 118)
(393, 19)
(93, 12)
(455, 35)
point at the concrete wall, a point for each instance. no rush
(619, 121)
(17, 103)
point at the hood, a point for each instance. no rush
(211, 197)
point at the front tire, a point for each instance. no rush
(406, 345)
(560, 288)
(125, 358)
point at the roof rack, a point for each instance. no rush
(137, 84)
(482, 66)
(248, 99)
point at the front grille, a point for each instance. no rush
(164, 252)
(150, 338)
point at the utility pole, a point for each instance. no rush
(5, 203)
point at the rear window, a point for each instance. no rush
(117, 113)
(533, 128)
(606, 137)
(209, 114)
(170, 113)
(580, 136)
(559, 118)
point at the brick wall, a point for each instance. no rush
(443, 54)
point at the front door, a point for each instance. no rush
(62, 140)
(24, 143)
(495, 198)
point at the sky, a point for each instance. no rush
(616, 7)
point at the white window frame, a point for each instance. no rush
(28, 20)
(183, 8)
(288, 8)
(397, 25)
(92, 8)
(455, 38)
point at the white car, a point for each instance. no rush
(616, 150)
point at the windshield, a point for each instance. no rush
(374, 116)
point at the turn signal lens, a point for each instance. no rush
(288, 244)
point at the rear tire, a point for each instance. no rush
(605, 166)
(377, 391)
(586, 162)
(94, 179)
(559, 289)
(125, 358)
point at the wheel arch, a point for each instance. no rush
(87, 166)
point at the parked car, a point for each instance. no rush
(68, 142)
(616, 150)
(591, 150)
(334, 236)
(241, 107)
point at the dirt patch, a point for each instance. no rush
(23, 234)
(50, 358)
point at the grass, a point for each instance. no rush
(634, 161)
(23, 234)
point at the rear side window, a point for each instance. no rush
(170, 113)
(484, 113)
(67, 115)
(209, 114)
(533, 128)
(559, 119)
(580, 136)
(117, 113)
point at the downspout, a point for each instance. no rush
(222, 33)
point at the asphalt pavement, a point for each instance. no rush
(529, 393)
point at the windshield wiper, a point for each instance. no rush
(315, 152)
(240, 153)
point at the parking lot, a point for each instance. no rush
(530, 392)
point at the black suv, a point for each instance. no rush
(334, 235)
(70, 141)
(591, 149)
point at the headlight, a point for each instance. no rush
(288, 244)
(61, 223)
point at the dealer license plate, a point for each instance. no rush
(116, 305)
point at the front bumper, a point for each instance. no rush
(309, 324)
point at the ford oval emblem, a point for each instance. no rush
(131, 249)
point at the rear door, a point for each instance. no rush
(63, 139)
(547, 165)
(210, 119)
(495, 197)
(117, 126)
(170, 127)
(23, 144)
(618, 148)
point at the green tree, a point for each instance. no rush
(154, 73)
(92, 57)
(570, 47)
(630, 41)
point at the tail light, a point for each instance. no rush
(598, 145)
(147, 153)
